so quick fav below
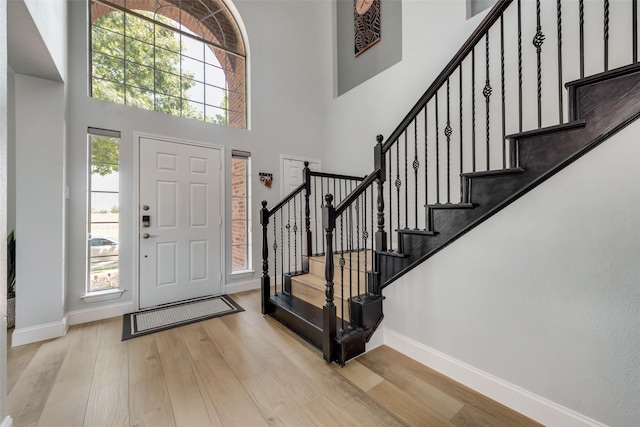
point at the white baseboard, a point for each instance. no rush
(7, 422)
(234, 288)
(529, 404)
(77, 317)
(42, 332)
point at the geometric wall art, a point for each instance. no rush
(366, 22)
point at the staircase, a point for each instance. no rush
(441, 183)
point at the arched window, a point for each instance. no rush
(182, 57)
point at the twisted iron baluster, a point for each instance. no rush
(398, 181)
(538, 40)
(275, 257)
(426, 164)
(365, 237)
(487, 96)
(295, 237)
(447, 132)
(581, 18)
(416, 165)
(560, 89)
(341, 263)
(437, 155)
(519, 66)
(504, 141)
(473, 108)
(322, 206)
(461, 127)
(406, 183)
(289, 234)
(606, 35)
(634, 26)
(281, 249)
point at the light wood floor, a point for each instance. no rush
(239, 370)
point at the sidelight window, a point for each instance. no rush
(103, 247)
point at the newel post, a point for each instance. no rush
(381, 164)
(307, 246)
(265, 281)
(329, 309)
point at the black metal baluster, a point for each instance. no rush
(406, 183)
(560, 88)
(281, 249)
(634, 26)
(341, 263)
(437, 155)
(538, 39)
(315, 212)
(275, 257)
(289, 235)
(504, 133)
(390, 197)
(519, 66)
(365, 237)
(461, 127)
(357, 246)
(473, 108)
(416, 165)
(606, 35)
(487, 96)
(426, 166)
(350, 248)
(447, 132)
(322, 206)
(295, 236)
(581, 24)
(398, 181)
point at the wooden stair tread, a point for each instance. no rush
(498, 172)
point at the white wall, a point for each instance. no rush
(50, 18)
(432, 32)
(11, 152)
(3, 214)
(40, 160)
(544, 295)
(290, 81)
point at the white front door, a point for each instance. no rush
(180, 210)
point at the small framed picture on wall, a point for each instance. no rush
(366, 20)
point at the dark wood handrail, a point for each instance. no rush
(286, 199)
(491, 18)
(336, 176)
(302, 186)
(360, 188)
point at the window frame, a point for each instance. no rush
(246, 157)
(232, 110)
(92, 294)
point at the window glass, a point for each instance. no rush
(104, 212)
(142, 57)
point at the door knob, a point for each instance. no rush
(147, 235)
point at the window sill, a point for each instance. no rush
(102, 295)
(242, 273)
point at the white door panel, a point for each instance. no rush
(180, 250)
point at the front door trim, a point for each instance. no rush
(135, 287)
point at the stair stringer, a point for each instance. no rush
(600, 106)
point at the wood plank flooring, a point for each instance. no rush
(239, 370)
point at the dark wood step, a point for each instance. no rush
(603, 105)
(301, 317)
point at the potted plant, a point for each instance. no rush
(11, 280)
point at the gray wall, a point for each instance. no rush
(474, 7)
(544, 295)
(388, 51)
